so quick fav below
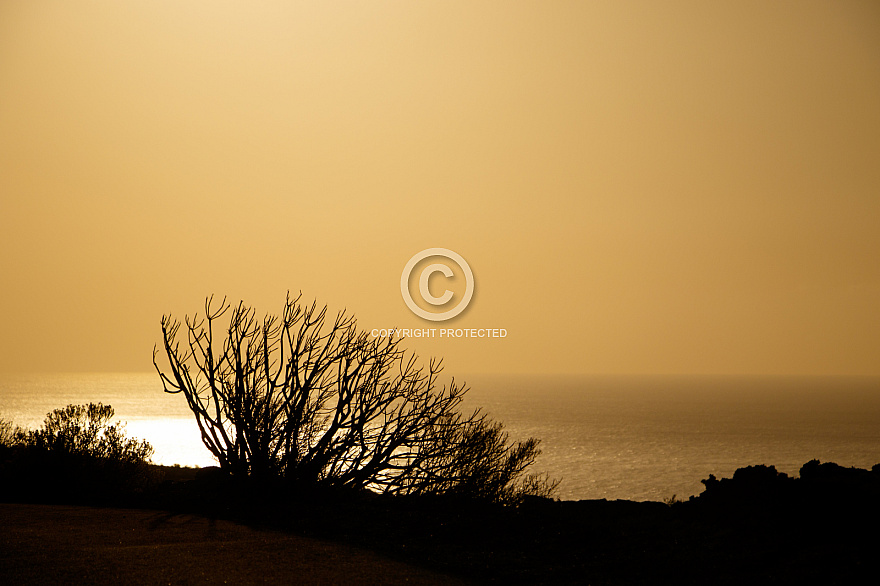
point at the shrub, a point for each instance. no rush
(85, 430)
(473, 458)
(76, 455)
(7, 433)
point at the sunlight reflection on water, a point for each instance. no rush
(175, 441)
(162, 419)
(645, 438)
(606, 437)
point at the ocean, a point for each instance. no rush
(636, 438)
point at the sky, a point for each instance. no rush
(638, 187)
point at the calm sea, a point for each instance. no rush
(605, 437)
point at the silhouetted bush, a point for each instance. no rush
(815, 471)
(748, 485)
(77, 454)
(309, 403)
(482, 464)
(85, 430)
(7, 433)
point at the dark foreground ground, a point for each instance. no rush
(59, 544)
(759, 527)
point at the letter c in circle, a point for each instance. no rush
(423, 284)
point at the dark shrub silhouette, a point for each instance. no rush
(482, 465)
(751, 486)
(313, 402)
(76, 454)
(829, 472)
(85, 430)
(843, 491)
(7, 433)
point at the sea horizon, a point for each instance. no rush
(630, 437)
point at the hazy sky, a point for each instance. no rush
(639, 187)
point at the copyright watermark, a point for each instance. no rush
(439, 333)
(450, 258)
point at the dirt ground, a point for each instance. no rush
(43, 544)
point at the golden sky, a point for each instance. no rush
(639, 187)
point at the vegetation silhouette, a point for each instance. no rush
(760, 526)
(7, 433)
(77, 453)
(85, 430)
(311, 402)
